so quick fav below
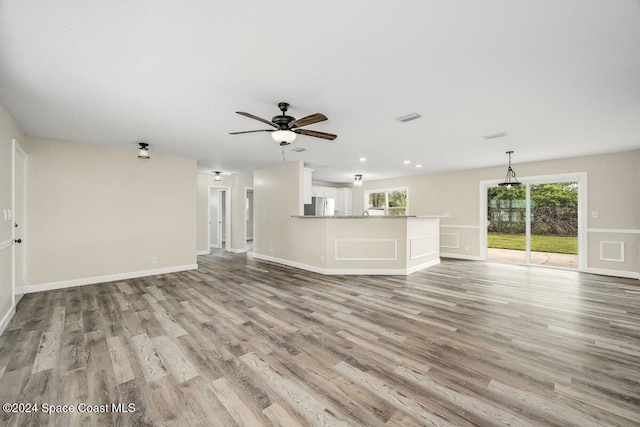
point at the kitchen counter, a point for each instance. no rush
(370, 216)
(398, 245)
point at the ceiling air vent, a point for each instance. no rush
(299, 150)
(409, 117)
(496, 135)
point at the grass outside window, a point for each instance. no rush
(552, 244)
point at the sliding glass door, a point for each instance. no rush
(506, 224)
(535, 223)
(554, 224)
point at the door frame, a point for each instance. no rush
(17, 148)
(227, 205)
(246, 217)
(579, 177)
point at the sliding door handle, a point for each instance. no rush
(18, 240)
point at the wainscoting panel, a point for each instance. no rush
(449, 240)
(611, 251)
(366, 250)
(423, 246)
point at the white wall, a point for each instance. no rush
(613, 182)
(9, 130)
(277, 195)
(96, 213)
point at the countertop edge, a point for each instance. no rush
(369, 217)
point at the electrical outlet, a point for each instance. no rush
(154, 260)
(321, 258)
(594, 214)
(270, 248)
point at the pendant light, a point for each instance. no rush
(357, 181)
(143, 152)
(510, 179)
(218, 177)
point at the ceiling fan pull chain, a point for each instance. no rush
(283, 154)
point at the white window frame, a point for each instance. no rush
(386, 192)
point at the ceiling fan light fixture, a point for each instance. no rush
(285, 136)
(510, 179)
(357, 180)
(143, 151)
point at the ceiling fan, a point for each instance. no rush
(286, 127)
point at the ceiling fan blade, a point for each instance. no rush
(317, 134)
(250, 131)
(251, 116)
(309, 120)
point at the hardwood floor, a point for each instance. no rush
(248, 343)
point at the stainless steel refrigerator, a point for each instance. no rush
(320, 206)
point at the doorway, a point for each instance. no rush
(248, 219)
(19, 214)
(219, 217)
(537, 223)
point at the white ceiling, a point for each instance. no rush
(562, 77)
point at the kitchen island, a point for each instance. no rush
(386, 245)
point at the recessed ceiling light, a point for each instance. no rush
(495, 135)
(418, 166)
(406, 162)
(409, 117)
(363, 159)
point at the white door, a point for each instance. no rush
(219, 217)
(20, 281)
(222, 222)
(214, 219)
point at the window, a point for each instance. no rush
(387, 202)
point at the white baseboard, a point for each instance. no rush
(345, 271)
(237, 251)
(461, 256)
(205, 252)
(615, 273)
(7, 318)
(288, 263)
(109, 278)
(423, 266)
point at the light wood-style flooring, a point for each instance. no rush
(245, 343)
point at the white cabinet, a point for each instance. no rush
(342, 197)
(329, 192)
(318, 191)
(307, 191)
(344, 202)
